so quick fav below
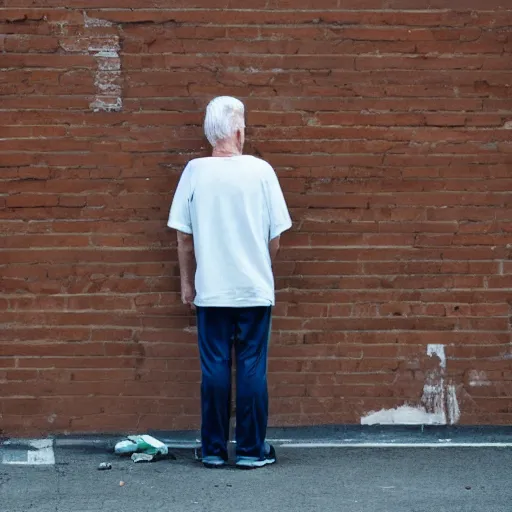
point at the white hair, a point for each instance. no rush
(224, 116)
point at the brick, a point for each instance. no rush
(34, 350)
(47, 61)
(99, 303)
(7, 362)
(30, 44)
(31, 201)
(46, 240)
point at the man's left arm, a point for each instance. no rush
(280, 220)
(274, 247)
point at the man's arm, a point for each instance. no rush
(187, 261)
(280, 220)
(273, 247)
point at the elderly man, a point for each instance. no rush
(229, 212)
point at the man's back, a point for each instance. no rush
(233, 206)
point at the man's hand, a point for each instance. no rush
(188, 295)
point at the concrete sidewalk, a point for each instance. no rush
(323, 479)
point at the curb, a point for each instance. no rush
(393, 436)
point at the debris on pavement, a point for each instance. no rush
(126, 447)
(142, 448)
(104, 466)
(142, 457)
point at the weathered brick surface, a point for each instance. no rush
(389, 124)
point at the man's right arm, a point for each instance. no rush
(187, 262)
(180, 220)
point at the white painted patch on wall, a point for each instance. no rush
(40, 454)
(452, 405)
(108, 77)
(433, 398)
(403, 415)
(104, 47)
(95, 22)
(438, 406)
(102, 42)
(478, 378)
(433, 402)
(437, 350)
(108, 81)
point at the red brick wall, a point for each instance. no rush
(389, 125)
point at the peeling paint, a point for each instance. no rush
(439, 404)
(433, 397)
(95, 22)
(433, 400)
(452, 405)
(478, 378)
(404, 415)
(99, 104)
(107, 81)
(104, 46)
(105, 50)
(437, 350)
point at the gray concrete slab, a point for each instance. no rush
(349, 480)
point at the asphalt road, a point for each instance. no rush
(347, 479)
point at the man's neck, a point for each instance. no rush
(226, 148)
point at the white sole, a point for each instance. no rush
(255, 464)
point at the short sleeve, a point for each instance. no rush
(280, 220)
(179, 216)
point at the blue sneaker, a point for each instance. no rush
(254, 463)
(213, 462)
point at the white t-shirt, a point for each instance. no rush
(233, 207)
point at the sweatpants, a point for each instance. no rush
(248, 330)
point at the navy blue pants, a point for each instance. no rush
(248, 330)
